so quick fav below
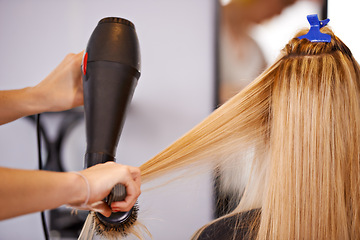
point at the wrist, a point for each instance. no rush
(79, 193)
(37, 99)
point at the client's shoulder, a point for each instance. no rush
(240, 225)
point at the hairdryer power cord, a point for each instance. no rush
(38, 134)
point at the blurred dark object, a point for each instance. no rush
(62, 222)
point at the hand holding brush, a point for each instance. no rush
(99, 185)
(28, 191)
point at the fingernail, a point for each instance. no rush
(106, 214)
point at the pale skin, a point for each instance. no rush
(28, 191)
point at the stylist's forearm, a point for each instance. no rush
(27, 191)
(19, 103)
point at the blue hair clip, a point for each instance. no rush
(314, 34)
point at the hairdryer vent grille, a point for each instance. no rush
(117, 20)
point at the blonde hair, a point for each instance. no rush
(301, 117)
(300, 121)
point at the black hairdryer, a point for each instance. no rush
(111, 69)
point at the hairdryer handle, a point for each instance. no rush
(118, 193)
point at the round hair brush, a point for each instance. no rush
(111, 69)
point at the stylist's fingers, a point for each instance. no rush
(132, 182)
(100, 207)
(136, 174)
(136, 177)
(129, 201)
(71, 56)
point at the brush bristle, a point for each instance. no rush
(94, 226)
(113, 230)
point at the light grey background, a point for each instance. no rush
(344, 18)
(174, 93)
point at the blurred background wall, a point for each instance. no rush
(344, 17)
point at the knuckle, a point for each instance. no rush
(127, 208)
(69, 56)
(125, 171)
